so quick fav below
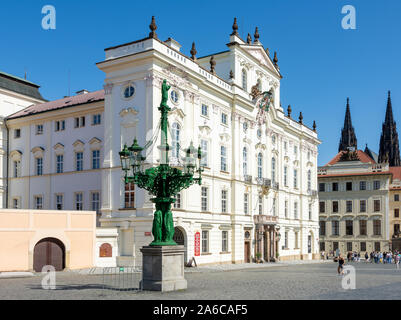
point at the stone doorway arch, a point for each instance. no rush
(181, 239)
(49, 251)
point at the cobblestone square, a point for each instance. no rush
(252, 282)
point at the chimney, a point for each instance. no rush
(173, 44)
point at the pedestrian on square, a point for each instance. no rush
(366, 257)
(397, 261)
(341, 262)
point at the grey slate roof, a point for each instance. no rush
(18, 85)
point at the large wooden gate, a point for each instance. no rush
(49, 251)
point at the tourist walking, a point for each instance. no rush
(397, 261)
(341, 262)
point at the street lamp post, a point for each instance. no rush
(163, 256)
(163, 181)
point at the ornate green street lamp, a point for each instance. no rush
(163, 181)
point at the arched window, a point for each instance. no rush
(245, 161)
(273, 170)
(260, 165)
(175, 147)
(244, 80)
(309, 180)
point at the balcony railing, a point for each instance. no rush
(248, 179)
(265, 219)
(312, 193)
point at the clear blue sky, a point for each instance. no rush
(322, 63)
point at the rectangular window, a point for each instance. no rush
(223, 158)
(322, 228)
(322, 246)
(286, 240)
(376, 185)
(396, 197)
(204, 199)
(38, 202)
(322, 207)
(396, 228)
(295, 151)
(177, 203)
(204, 148)
(60, 164)
(363, 246)
(362, 206)
(348, 186)
(224, 201)
(285, 176)
(274, 207)
(95, 159)
(59, 202)
(224, 118)
(224, 241)
(205, 241)
(362, 185)
(129, 196)
(17, 133)
(349, 228)
(349, 246)
(377, 229)
(79, 201)
(396, 213)
(310, 211)
(322, 187)
(286, 208)
(79, 122)
(246, 203)
(15, 203)
(60, 125)
(17, 169)
(335, 228)
(96, 119)
(39, 166)
(335, 186)
(377, 246)
(335, 206)
(295, 210)
(348, 206)
(205, 110)
(39, 129)
(376, 205)
(95, 201)
(79, 161)
(260, 203)
(363, 230)
(295, 178)
(76, 123)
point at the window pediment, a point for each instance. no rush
(260, 145)
(95, 143)
(177, 112)
(38, 152)
(129, 117)
(79, 146)
(16, 155)
(59, 148)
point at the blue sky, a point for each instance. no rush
(322, 63)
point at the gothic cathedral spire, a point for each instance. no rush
(348, 138)
(389, 147)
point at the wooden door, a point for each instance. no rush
(51, 252)
(247, 252)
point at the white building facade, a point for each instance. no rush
(258, 196)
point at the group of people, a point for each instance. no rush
(373, 257)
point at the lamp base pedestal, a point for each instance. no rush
(163, 268)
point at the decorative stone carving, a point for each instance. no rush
(108, 88)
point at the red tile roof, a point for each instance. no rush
(396, 171)
(59, 104)
(362, 156)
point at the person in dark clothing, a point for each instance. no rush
(341, 262)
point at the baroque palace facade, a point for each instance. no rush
(258, 197)
(359, 192)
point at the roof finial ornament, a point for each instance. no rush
(267, 51)
(212, 65)
(153, 28)
(289, 110)
(249, 39)
(231, 74)
(314, 126)
(235, 28)
(256, 36)
(301, 117)
(275, 59)
(193, 52)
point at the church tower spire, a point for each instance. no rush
(389, 145)
(348, 138)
